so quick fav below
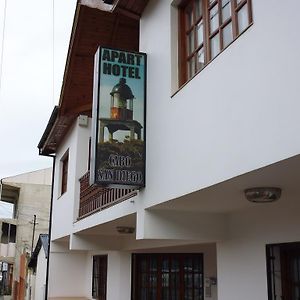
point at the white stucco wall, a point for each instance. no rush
(68, 275)
(65, 207)
(242, 270)
(40, 277)
(238, 114)
(119, 275)
(71, 274)
(242, 257)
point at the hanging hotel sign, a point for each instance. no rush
(118, 148)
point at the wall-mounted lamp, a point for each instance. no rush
(262, 194)
(125, 229)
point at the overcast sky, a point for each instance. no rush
(26, 95)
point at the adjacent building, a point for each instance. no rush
(38, 266)
(29, 197)
(218, 217)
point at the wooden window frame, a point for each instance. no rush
(157, 291)
(64, 172)
(99, 277)
(283, 270)
(183, 32)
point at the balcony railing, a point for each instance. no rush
(94, 198)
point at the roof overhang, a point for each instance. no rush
(43, 241)
(95, 24)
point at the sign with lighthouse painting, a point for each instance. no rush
(119, 103)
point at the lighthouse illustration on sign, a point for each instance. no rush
(121, 113)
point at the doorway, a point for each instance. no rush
(283, 271)
(167, 276)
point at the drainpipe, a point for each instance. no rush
(1, 184)
(1, 271)
(50, 226)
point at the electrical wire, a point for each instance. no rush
(2, 46)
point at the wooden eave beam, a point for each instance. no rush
(127, 13)
(81, 58)
(80, 109)
(44, 150)
(57, 133)
(132, 8)
(76, 97)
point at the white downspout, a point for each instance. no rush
(1, 189)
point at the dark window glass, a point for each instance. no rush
(99, 277)
(167, 276)
(64, 178)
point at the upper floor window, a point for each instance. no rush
(206, 27)
(64, 177)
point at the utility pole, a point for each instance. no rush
(32, 243)
(33, 232)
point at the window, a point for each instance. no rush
(64, 177)
(99, 277)
(8, 233)
(283, 271)
(206, 28)
(167, 276)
